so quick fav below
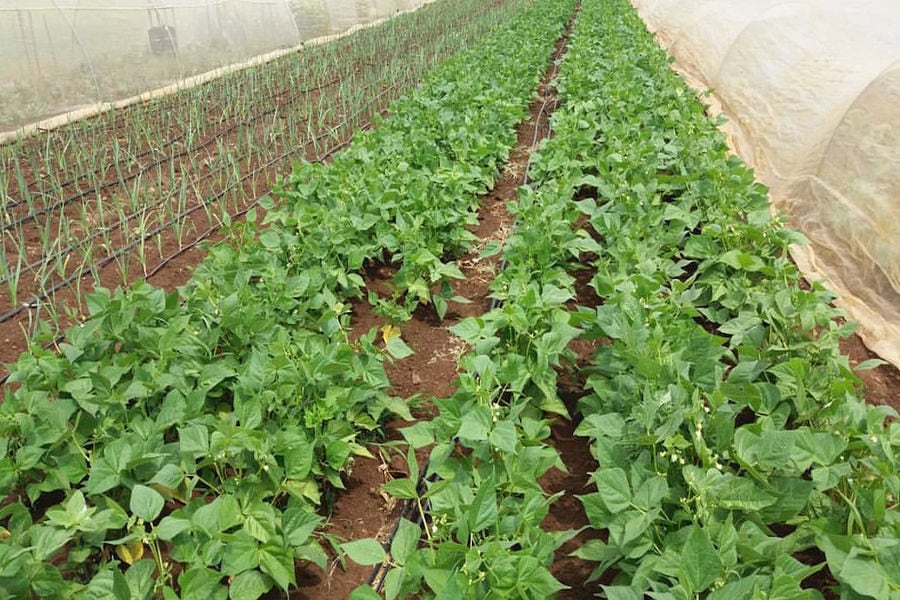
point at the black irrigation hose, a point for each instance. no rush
(410, 509)
(110, 127)
(496, 302)
(156, 164)
(30, 267)
(264, 101)
(83, 271)
(61, 337)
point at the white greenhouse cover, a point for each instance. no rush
(58, 56)
(811, 90)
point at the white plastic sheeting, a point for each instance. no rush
(321, 17)
(812, 93)
(58, 56)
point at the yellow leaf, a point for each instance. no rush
(390, 332)
(131, 552)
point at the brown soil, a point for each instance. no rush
(360, 512)
(882, 384)
(567, 513)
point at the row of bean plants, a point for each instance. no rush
(179, 444)
(482, 504)
(737, 458)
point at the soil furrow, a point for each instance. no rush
(362, 511)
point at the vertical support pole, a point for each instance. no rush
(51, 43)
(21, 23)
(34, 46)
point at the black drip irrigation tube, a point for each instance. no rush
(84, 271)
(140, 169)
(410, 508)
(118, 226)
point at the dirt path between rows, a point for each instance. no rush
(362, 511)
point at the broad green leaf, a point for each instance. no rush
(475, 424)
(249, 585)
(403, 487)
(771, 450)
(47, 540)
(612, 485)
(405, 541)
(419, 435)
(503, 437)
(535, 579)
(700, 564)
(741, 493)
(108, 584)
(169, 476)
(483, 512)
(103, 477)
(397, 348)
(278, 565)
(551, 403)
(393, 582)
(364, 592)
(194, 440)
(146, 502)
(793, 497)
(650, 493)
(170, 526)
(554, 296)
(220, 515)
(825, 478)
(610, 425)
(260, 521)
(241, 554)
(822, 448)
(622, 592)
(742, 588)
(365, 552)
(139, 578)
(298, 525)
(743, 261)
(298, 460)
(849, 565)
(469, 329)
(201, 583)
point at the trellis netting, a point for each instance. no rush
(64, 55)
(811, 90)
